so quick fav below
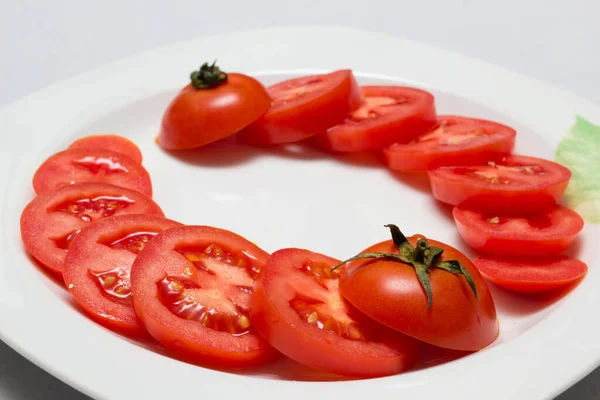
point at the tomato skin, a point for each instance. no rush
(531, 275)
(109, 142)
(323, 350)
(337, 95)
(390, 293)
(526, 194)
(549, 232)
(415, 115)
(496, 141)
(197, 117)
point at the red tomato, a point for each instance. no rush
(531, 275)
(191, 288)
(213, 106)
(390, 293)
(304, 107)
(97, 267)
(51, 221)
(386, 115)
(454, 141)
(548, 232)
(109, 142)
(513, 184)
(297, 307)
(91, 165)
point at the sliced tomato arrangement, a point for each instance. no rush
(298, 308)
(97, 267)
(109, 142)
(304, 107)
(531, 275)
(548, 232)
(513, 184)
(51, 221)
(91, 165)
(454, 141)
(191, 288)
(386, 115)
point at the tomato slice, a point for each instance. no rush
(386, 115)
(454, 141)
(50, 222)
(191, 288)
(109, 142)
(513, 184)
(97, 267)
(91, 165)
(304, 107)
(531, 275)
(297, 307)
(548, 232)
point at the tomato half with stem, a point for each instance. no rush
(111, 142)
(298, 308)
(304, 107)
(191, 288)
(533, 275)
(547, 232)
(213, 106)
(97, 267)
(386, 115)
(51, 221)
(513, 184)
(454, 141)
(91, 165)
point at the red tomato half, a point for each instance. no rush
(548, 232)
(531, 276)
(304, 107)
(390, 293)
(191, 288)
(109, 142)
(455, 141)
(513, 184)
(51, 221)
(91, 165)
(386, 115)
(97, 267)
(297, 307)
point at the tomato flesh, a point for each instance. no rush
(115, 143)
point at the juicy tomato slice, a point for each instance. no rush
(386, 115)
(91, 165)
(51, 221)
(298, 308)
(454, 141)
(109, 142)
(390, 293)
(513, 184)
(197, 117)
(304, 107)
(97, 267)
(191, 288)
(531, 275)
(548, 232)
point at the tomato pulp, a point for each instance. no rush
(109, 142)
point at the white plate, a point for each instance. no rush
(281, 199)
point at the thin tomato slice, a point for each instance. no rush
(548, 232)
(91, 165)
(191, 288)
(386, 115)
(304, 107)
(109, 142)
(454, 141)
(513, 184)
(531, 275)
(97, 267)
(53, 219)
(298, 308)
